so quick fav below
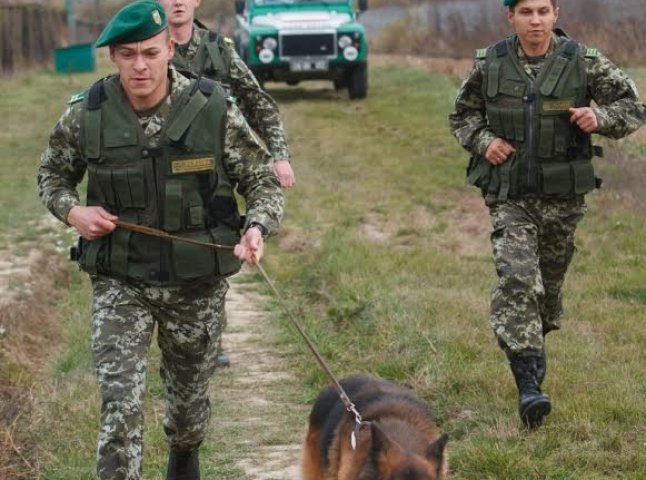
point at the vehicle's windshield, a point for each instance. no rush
(296, 2)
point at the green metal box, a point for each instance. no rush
(75, 58)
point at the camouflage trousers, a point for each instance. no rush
(189, 323)
(533, 244)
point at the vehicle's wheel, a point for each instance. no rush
(358, 82)
(292, 83)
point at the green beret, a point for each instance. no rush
(135, 22)
(509, 3)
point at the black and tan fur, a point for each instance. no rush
(397, 441)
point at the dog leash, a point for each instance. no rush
(349, 406)
(162, 234)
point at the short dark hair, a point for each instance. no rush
(554, 5)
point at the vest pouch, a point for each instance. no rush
(193, 261)
(556, 178)
(129, 186)
(228, 263)
(546, 137)
(92, 255)
(512, 87)
(479, 172)
(99, 187)
(584, 179)
(495, 117)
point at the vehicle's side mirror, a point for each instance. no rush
(240, 6)
(363, 5)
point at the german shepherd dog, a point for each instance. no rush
(397, 440)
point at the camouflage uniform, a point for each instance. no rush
(260, 110)
(189, 318)
(533, 236)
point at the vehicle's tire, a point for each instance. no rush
(292, 83)
(358, 82)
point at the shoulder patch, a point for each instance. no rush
(76, 98)
(591, 52)
(480, 53)
(227, 40)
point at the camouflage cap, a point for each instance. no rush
(135, 22)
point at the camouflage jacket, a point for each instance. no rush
(260, 110)
(246, 160)
(617, 105)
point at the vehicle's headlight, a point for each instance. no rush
(266, 56)
(344, 41)
(270, 43)
(350, 54)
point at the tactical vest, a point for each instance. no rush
(211, 60)
(180, 187)
(553, 157)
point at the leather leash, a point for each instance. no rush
(350, 407)
(161, 234)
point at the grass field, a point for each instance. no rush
(384, 255)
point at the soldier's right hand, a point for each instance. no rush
(498, 151)
(91, 222)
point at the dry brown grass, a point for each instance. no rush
(622, 42)
(30, 337)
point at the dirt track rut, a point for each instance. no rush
(255, 400)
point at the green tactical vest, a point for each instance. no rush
(180, 187)
(553, 157)
(212, 59)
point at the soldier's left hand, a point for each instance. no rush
(251, 246)
(284, 172)
(585, 118)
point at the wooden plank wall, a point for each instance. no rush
(28, 36)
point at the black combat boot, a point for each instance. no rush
(533, 404)
(541, 368)
(183, 465)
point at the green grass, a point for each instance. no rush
(411, 305)
(384, 257)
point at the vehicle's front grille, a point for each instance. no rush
(312, 45)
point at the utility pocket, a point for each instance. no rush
(194, 261)
(584, 179)
(479, 172)
(91, 255)
(227, 262)
(129, 186)
(556, 179)
(122, 186)
(507, 122)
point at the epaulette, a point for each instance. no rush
(480, 53)
(591, 53)
(76, 98)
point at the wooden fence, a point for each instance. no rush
(28, 36)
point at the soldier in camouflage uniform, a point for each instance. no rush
(524, 114)
(167, 152)
(207, 53)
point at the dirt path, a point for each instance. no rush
(256, 400)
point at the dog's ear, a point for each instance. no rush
(435, 450)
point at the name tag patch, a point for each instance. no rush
(192, 165)
(558, 105)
